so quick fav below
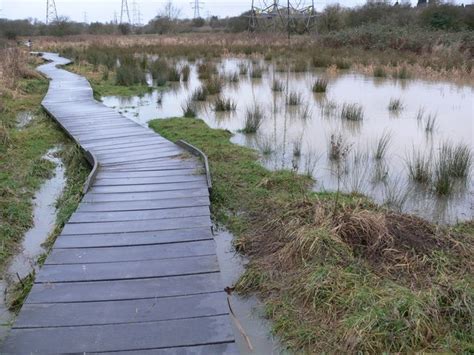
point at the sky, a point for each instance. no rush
(104, 10)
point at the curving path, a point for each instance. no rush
(135, 268)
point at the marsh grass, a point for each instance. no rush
(256, 72)
(253, 119)
(419, 167)
(352, 112)
(277, 85)
(364, 279)
(382, 145)
(174, 74)
(130, 75)
(232, 78)
(265, 146)
(294, 99)
(401, 73)
(339, 148)
(379, 72)
(243, 68)
(206, 70)
(300, 66)
(320, 85)
(189, 109)
(395, 105)
(396, 194)
(224, 105)
(329, 109)
(185, 72)
(214, 85)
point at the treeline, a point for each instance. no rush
(334, 18)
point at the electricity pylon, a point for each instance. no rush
(197, 6)
(124, 11)
(51, 11)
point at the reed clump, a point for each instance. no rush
(320, 85)
(253, 119)
(224, 105)
(352, 112)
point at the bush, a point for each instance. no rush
(128, 75)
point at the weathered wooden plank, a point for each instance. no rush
(142, 215)
(127, 239)
(116, 337)
(136, 226)
(101, 181)
(143, 205)
(130, 253)
(144, 196)
(225, 348)
(148, 187)
(116, 312)
(127, 270)
(125, 289)
(111, 174)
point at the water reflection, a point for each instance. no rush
(318, 117)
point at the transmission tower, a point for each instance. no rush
(51, 11)
(124, 11)
(136, 14)
(293, 15)
(197, 7)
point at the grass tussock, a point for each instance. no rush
(253, 119)
(224, 105)
(294, 98)
(214, 85)
(189, 109)
(320, 85)
(395, 105)
(357, 278)
(200, 94)
(352, 112)
(278, 86)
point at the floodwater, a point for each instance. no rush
(247, 310)
(312, 123)
(44, 217)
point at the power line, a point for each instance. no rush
(197, 7)
(136, 14)
(51, 11)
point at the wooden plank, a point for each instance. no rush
(224, 348)
(136, 226)
(92, 197)
(117, 312)
(143, 205)
(141, 215)
(130, 253)
(148, 187)
(117, 337)
(128, 270)
(125, 289)
(127, 239)
(101, 181)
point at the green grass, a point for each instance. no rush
(328, 281)
(22, 168)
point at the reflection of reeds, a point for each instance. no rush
(277, 85)
(395, 105)
(253, 119)
(265, 146)
(320, 85)
(430, 123)
(297, 147)
(294, 99)
(199, 94)
(382, 145)
(224, 104)
(329, 109)
(311, 159)
(352, 112)
(396, 194)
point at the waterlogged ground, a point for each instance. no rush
(312, 123)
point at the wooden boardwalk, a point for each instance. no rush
(135, 268)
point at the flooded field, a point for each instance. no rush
(359, 135)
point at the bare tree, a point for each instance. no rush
(170, 11)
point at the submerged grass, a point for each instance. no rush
(224, 104)
(253, 119)
(357, 278)
(320, 85)
(352, 112)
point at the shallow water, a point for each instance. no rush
(44, 217)
(318, 117)
(247, 310)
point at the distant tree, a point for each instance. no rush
(331, 19)
(125, 29)
(199, 22)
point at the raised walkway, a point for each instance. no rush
(135, 268)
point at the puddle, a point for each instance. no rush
(23, 119)
(248, 310)
(44, 216)
(312, 123)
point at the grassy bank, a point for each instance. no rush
(22, 167)
(337, 274)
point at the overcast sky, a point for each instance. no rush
(103, 10)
